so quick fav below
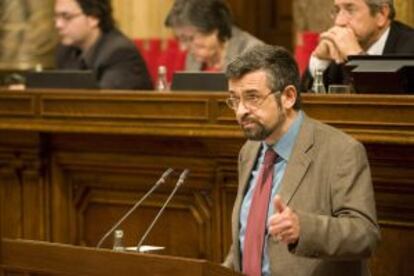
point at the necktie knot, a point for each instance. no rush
(270, 157)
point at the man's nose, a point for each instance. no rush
(241, 110)
(342, 19)
(58, 23)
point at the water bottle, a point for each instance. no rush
(38, 67)
(318, 86)
(162, 83)
(118, 236)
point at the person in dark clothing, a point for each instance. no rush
(362, 27)
(90, 40)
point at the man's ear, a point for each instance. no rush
(93, 21)
(289, 96)
(382, 15)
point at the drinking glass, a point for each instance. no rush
(339, 89)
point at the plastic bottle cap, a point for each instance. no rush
(162, 69)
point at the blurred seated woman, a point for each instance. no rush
(206, 30)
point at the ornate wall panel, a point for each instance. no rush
(143, 18)
(405, 11)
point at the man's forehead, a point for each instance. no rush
(252, 78)
(252, 81)
(348, 2)
(67, 5)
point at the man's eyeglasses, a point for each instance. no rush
(250, 101)
(66, 17)
(348, 11)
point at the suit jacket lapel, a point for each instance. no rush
(389, 47)
(246, 164)
(299, 161)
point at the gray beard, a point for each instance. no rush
(260, 132)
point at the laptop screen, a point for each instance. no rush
(72, 79)
(199, 81)
(390, 74)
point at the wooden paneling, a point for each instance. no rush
(405, 11)
(269, 20)
(71, 163)
(143, 18)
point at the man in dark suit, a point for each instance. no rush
(305, 202)
(361, 27)
(90, 40)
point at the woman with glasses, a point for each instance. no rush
(205, 28)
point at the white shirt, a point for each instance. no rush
(376, 49)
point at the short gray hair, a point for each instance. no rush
(278, 63)
(205, 15)
(375, 5)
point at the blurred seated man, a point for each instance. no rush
(362, 27)
(205, 27)
(90, 40)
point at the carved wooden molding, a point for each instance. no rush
(370, 118)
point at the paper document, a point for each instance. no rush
(144, 248)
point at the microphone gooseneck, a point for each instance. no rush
(160, 181)
(180, 181)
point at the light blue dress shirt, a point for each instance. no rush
(284, 149)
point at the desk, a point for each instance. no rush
(72, 162)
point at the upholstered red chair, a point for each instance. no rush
(173, 58)
(307, 42)
(158, 52)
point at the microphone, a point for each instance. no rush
(161, 180)
(180, 181)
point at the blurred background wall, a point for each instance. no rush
(27, 34)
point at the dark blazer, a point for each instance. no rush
(114, 59)
(327, 183)
(400, 42)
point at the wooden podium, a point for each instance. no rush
(27, 257)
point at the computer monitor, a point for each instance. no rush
(199, 81)
(11, 77)
(382, 74)
(72, 79)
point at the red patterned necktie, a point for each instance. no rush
(256, 221)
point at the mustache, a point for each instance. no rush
(247, 119)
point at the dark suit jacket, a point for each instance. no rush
(114, 59)
(400, 42)
(327, 182)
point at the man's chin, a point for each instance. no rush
(253, 135)
(66, 42)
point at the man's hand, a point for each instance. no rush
(344, 40)
(284, 223)
(327, 50)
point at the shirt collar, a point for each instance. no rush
(378, 47)
(285, 144)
